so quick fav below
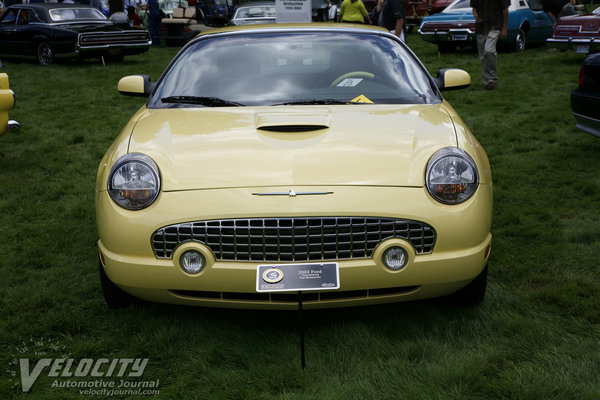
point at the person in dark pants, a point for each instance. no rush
(491, 19)
(154, 21)
(391, 16)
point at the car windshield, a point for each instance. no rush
(459, 4)
(65, 14)
(255, 12)
(294, 68)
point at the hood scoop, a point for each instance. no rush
(293, 121)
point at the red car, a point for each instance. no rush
(578, 32)
(416, 10)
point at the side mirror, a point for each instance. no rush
(136, 85)
(452, 79)
(7, 102)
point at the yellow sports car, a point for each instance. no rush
(7, 101)
(274, 164)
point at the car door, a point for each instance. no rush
(16, 33)
(541, 24)
(8, 31)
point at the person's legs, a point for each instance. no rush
(488, 57)
(154, 28)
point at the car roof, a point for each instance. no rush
(49, 6)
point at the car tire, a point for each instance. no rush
(115, 297)
(44, 54)
(473, 293)
(520, 40)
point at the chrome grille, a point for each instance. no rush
(103, 39)
(293, 239)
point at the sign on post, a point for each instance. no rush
(289, 11)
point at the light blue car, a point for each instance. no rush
(455, 26)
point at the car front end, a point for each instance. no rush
(192, 200)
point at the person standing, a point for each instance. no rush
(391, 16)
(557, 8)
(354, 12)
(154, 21)
(491, 20)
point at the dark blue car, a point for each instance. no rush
(455, 26)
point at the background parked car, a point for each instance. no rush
(254, 13)
(578, 32)
(585, 100)
(45, 31)
(455, 26)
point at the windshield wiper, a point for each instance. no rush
(319, 101)
(203, 101)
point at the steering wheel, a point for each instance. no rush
(353, 74)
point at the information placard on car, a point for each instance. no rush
(296, 277)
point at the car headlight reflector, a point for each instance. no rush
(134, 181)
(452, 176)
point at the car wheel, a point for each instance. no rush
(519, 43)
(45, 54)
(114, 296)
(473, 293)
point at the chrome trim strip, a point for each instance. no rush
(291, 193)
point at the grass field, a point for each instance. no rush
(536, 336)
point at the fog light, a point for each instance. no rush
(192, 261)
(395, 258)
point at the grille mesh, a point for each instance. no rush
(101, 39)
(293, 239)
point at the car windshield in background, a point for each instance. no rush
(66, 14)
(255, 12)
(292, 68)
(459, 4)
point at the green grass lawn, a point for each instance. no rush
(536, 335)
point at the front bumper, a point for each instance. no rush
(456, 36)
(580, 45)
(460, 253)
(586, 110)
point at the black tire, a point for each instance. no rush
(520, 41)
(473, 293)
(44, 54)
(114, 296)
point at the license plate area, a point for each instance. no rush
(459, 37)
(582, 49)
(297, 277)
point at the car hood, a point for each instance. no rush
(205, 148)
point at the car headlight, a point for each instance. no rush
(134, 181)
(452, 176)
